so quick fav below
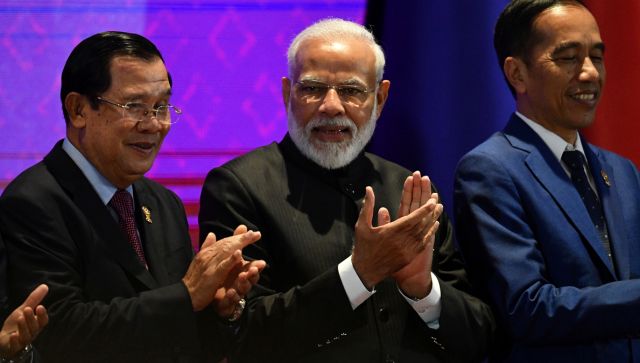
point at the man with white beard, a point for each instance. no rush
(336, 287)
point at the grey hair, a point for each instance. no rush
(331, 29)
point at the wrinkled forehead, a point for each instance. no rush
(138, 77)
(335, 59)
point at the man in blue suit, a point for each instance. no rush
(547, 222)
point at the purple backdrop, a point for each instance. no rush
(226, 59)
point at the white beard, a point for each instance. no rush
(331, 155)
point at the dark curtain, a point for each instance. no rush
(447, 92)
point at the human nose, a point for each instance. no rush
(331, 103)
(150, 123)
(589, 71)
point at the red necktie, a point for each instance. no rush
(122, 202)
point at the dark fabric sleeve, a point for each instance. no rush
(467, 325)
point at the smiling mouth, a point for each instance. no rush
(587, 97)
(143, 146)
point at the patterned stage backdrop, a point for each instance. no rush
(226, 59)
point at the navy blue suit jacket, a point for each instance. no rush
(532, 249)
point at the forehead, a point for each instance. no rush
(566, 23)
(138, 77)
(335, 60)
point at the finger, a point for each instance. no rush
(31, 322)
(419, 216)
(259, 264)
(425, 184)
(226, 265)
(430, 238)
(417, 192)
(24, 333)
(240, 241)
(43, 317)
(437, 211)
(405, 200)
(434, 228)
(243, 283)
(383, 216)
(366, 213)
(240, 230)
(253, 274)
(209, 241)
(36, 296)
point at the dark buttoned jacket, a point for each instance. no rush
(300, 311)
(104, 305)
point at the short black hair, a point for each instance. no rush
(513, 34)
(87, 70)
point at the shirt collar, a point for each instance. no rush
(557, 144)
(100, 184)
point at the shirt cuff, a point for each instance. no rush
(353, 286)
(429, 307)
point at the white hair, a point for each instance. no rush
(332, 29)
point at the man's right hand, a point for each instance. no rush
(210, 268)
(380, 251)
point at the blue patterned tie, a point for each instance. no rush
(574, 160)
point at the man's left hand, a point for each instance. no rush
(415, 278)
(24, 324)
(238, 284)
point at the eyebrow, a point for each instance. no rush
(572, 45)
(137, 96)
(348, 82)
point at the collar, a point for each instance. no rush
(351, 179)
(291, 152)
(100, 184)
(556, 144)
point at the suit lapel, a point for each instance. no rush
(150, 230)
(548, 171)
(87, 200)
(611, 203)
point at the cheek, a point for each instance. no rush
(360, 117)
(302, 113)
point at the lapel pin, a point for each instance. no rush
(605, 177)
(147, 214)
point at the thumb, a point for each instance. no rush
(366, 212)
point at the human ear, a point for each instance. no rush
(286, 91)
(382, 94)
(76, 104)
(515, 70)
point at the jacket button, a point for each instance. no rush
(383, 314)
(350, 189)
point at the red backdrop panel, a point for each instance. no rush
(617, 125)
